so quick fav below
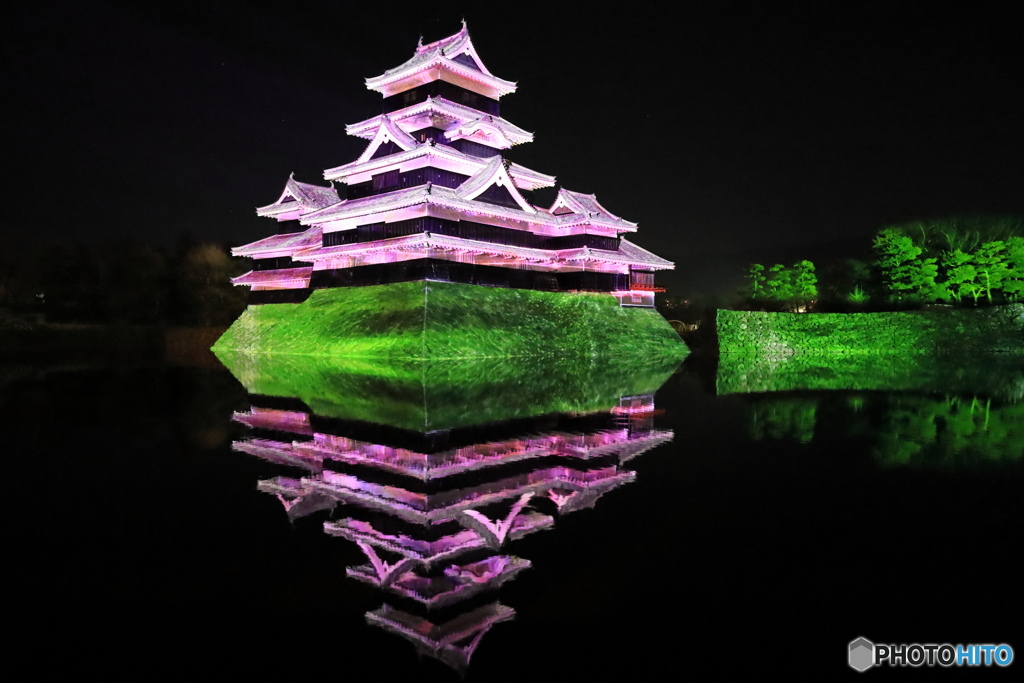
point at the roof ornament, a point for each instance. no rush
(419, 43)
(429, 185)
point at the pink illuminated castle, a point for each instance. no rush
(432, 197)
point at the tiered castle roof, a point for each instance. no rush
(459, 122)
(452, 59)
(433, 183)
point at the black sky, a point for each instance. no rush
(732, 132)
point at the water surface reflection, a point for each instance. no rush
(950, 411)
(434, 510)
(816, 504)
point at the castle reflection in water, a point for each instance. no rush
(437, 513)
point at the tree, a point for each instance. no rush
(965, 233)
(1013, 284)
(805, 283)
(795, 286)
(757, 280)
(905, 273)
(779, 286)
(960, 276)
(990, 261)
(203, 289)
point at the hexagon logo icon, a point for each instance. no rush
(862, 654)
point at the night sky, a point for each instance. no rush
(731, 132)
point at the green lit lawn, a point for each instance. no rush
(437, 320)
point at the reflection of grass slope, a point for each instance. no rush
(418, 320)
(435, 395)
(997, 375)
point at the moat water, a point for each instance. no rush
(687, 527)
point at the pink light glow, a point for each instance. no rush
(452, 642)
(281, 420)
(456, 584)
(431, 553)
(387, 573)
(494, 532)
(278, 452)
(634, 405)
(431, 466)
(287, 278)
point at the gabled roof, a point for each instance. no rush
(527, 178)
(299, 198)
(454, 54)
(387, 131)
(573, 205)
(439, 108)
(482, 129)
(453, 46)
(495, 173)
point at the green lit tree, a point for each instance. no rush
(906, 273)
(804, 283)
(778, 287)
(1013, 284)
(758, 281)
(965, 233)
(792, 287)
(992, 266)
(960, 276)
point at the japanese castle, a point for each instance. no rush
(433, 198)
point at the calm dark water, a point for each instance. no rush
(769, 531)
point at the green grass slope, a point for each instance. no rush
(440, 320)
